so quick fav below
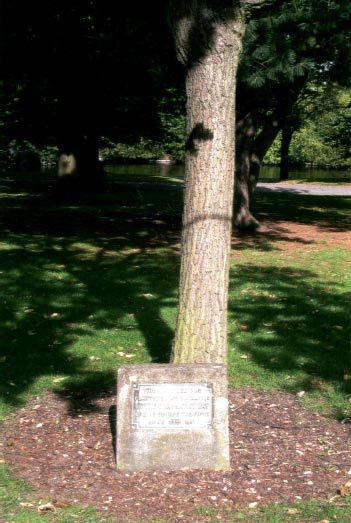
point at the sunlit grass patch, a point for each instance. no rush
(311, 511)
(290, 329)
(20, 504)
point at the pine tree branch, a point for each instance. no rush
(261, 4)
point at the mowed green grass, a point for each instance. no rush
(88, 286)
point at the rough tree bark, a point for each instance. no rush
(245, 135)
(208, 42)
(253, 144)
(287, 134)
(252, 149)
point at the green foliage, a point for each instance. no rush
(171, 137)
(273, 155)
(307, 146)
(172, 118)
(324, 113)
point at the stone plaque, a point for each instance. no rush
(172, 406)
(172, 417)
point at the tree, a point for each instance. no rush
(281, 52)
(92, 69)
(208, 37)
(324, 122)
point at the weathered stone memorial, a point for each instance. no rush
(172, 417)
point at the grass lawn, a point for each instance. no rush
(85, 288)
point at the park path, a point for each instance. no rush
(300, 188)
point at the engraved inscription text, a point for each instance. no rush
(172, 406)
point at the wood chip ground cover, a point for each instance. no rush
(280, 452)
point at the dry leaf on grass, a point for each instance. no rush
(345, 489)
(300, 394)
(46, 507)
(60, 504)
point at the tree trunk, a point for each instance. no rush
(245, 133)
(287, 134)
(201, 328)
(251, 151)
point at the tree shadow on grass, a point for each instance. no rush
(71, 275)
(298, 328)
(74, 273)
(327, 212)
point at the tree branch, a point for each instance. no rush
(261, 4)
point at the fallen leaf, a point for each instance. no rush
(46, 507)
(244, 328)
(292, 511)
(345, 489)
(300, 394)
(60, 504)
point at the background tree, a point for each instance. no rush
(87, 70)
(303, 39)
(323, 136)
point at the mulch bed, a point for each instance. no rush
(280, 452)
(289, 236)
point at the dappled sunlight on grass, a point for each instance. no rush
(324, 211)
(90, 284)
(291, 330)
(80, 296)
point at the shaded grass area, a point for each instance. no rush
(81, 292)
(291, 326)
(88, 285)
(326, 212)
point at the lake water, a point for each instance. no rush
(177, 172)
